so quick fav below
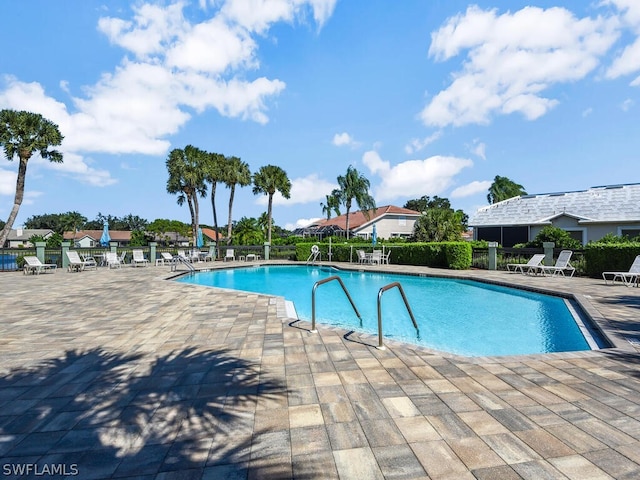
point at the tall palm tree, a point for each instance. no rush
(186, 178)
(354, 186)
(22, 134)
(236, 172)
(269, 180)
(332, 205)
(214, 173)
(503, 188)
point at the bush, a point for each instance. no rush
(454, 255)
(610, 257)
(560, 237)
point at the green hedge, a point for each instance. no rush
(454, 255)
(610, 257)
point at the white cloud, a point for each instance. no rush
(303, 190)
(470, 189)
(628, 61)
(626, 105)
(344, 139)
(418, 144)
(301, 223)
(480, 149)
(511, 59)
(172, 65)
(7, 182)
(587, 112)
(413, 178)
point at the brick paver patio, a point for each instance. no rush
(122, 374)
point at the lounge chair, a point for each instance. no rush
(628, 278)
(33, 265)
(165, 257)
(112, 260)
(530, 266)
(561, 266)
(229, 254)
(138, 259)
(77, 264)
(183, 256)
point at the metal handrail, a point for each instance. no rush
(313, 299)
(406, 303)
(174, 265)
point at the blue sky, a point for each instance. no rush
(422, 97)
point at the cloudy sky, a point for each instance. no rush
(422, 97)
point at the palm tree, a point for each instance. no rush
(214, 173)
(354, 186)
(236, 172)
(503, 188)
(23, 133)
(269, 180)
(186, 178)
(247, 232)
(332, 205)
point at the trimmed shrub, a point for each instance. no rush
(610, 257)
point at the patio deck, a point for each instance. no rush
(121, 374)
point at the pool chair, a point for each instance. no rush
(165, 257)
(138, 259)
(561, 267)
(628, 278)
(528, 267)
(77, 264)
(362, 257)
(112, 260)
(229, 254)
(385, 258)
(33, 265)
(376, 257)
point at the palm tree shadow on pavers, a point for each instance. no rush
(97, 414)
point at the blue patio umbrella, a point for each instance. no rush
(374, 236)
(199, 239)
(105, 238)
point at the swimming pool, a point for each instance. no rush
(453, 315)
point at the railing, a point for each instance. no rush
(313, 299)
(406, 304)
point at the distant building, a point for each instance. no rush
(19, 237)
(91, 238)
(587, 215)
(390, 222)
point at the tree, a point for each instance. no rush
(354, 186)
(332, 205)
(503, 188)
(22, 134)
(186, 178)
(247, 232)
(269, 180)
(162, 226)
(236, 172)
(214, 173)
(439, 225)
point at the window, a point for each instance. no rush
(402, 221)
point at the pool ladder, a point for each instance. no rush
(174, 265)
(355, 309)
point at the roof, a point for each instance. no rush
(115, 235)
(357, 219)
(27, 233)
(603, 204)
(211, 234)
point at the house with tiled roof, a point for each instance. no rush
(91, 238)
(390, 222)
(19, 237)
(588, 215)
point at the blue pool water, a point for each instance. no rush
(457, 316)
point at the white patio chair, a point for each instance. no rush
(229, 254)
(112, 260)
(34, 265)
(533, 262)
(628, 278)
(78, 264)
(138, 259)
(561, 266)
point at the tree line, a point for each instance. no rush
(192, 170)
